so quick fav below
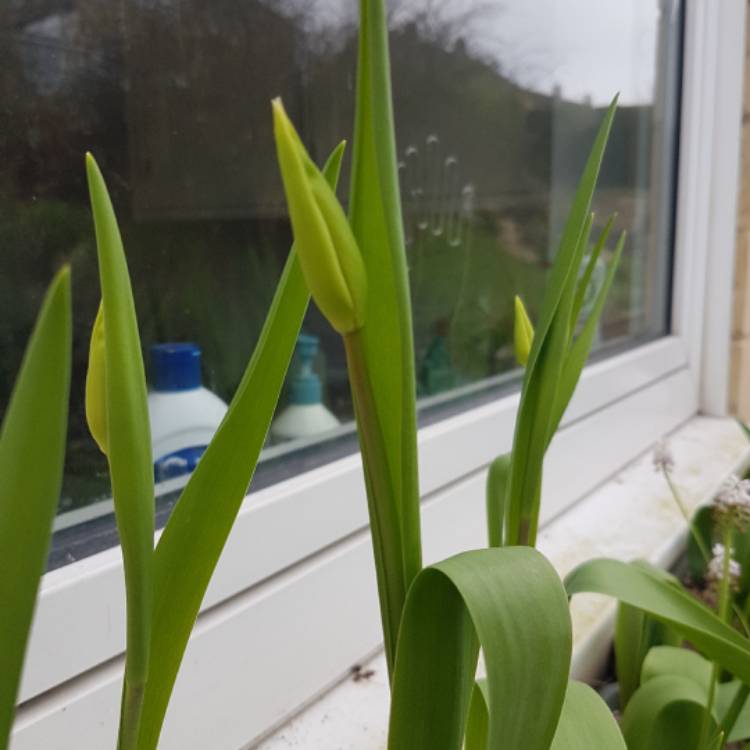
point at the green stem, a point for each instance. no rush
(130, 714)
(385, 522)
(741, 616)
(725, 600)
(688, 519)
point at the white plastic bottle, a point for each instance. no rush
(184, 415)
(304, 416)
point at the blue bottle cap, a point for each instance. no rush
(175, 367)
(305, 388)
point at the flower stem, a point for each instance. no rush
(385, 521)
(691, 526)
(725, 600)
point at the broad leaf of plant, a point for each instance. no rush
(129, 438)
(510, 602)
(586, 722)
(32, 449)
(579, 351)
(375, 215)
(669, 660)
(200, 523)
(682, 662)
(661, 599)
(666, 713)
(635, 636)
(549, 346)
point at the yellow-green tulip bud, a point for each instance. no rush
(329, 255)
(96, 403)
(523, 333)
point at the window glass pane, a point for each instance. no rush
(496, 105)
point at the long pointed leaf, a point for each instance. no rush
(579, 351)
(200, 523)
(32, 448)
(638, 587)
(511, 602)
(375, 214)
(546, 357)
(128, 445)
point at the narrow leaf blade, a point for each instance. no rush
(375, 215)
(32, 449)
(128, 432)
(197, 530)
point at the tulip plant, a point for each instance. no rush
(505, 600)
(32, 450)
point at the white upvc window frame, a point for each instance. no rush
(300, 550)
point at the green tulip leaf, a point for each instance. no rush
(128, 444)
(539, 396)
(586, 722)
(197, 530)
(387, 347)
(510, 602)
(658, 596)
(666, 713)
(32, 450)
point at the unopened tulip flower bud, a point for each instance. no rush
(96, 405)
(329, 255)
(523, 333)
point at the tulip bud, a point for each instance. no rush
(96, 403)
(523, 333)
(328, 253)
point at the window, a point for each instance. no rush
(496, 105)
(77, 74)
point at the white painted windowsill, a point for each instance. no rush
(630, 516)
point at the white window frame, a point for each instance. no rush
(300, 550)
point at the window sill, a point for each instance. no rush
(630, 516)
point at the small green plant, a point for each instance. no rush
(506, 601)
(32, 450)
(165, 585)
(664, 686)
(683, 664)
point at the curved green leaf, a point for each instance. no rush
(682, 662)
(197, 530)
(659, 597)
(128, 446)
(586, 722)
(668, 660)
(666, 713)
(32, 449)
(511, 602)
